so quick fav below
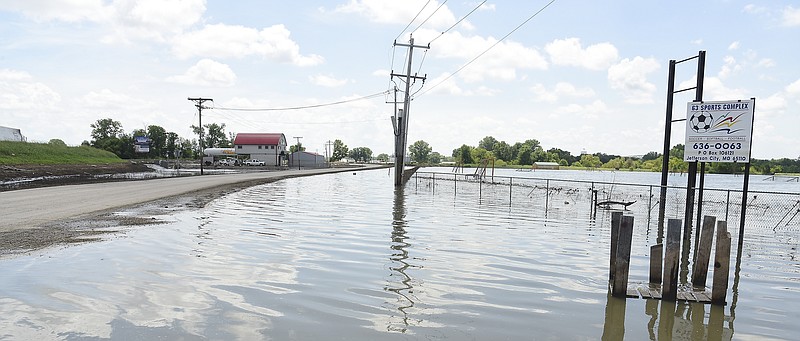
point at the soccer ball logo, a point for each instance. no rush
(701, 122)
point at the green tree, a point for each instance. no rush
(171, 148)
(106, 135)
(361, 154)
(57, 143)
(435, 158)
(677, 151)
(590, 161)
(339, 150)
(296, 147)
(463, 155)
(488, 143)
(158, 141)
(383, 157)
(213, 135)
(562, 155)
(524, 155)
(650, 156)
(503, 151)
(420, 152)
(479, 154)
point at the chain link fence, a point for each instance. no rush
(771, 211)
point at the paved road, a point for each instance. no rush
(31, 208)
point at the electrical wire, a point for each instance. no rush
(458, 22)
(490, 47)
(426, 19)
(412, 20)
(306, 106)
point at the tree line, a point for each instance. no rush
(530, 151)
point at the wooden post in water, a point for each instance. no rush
(656, 259)
(669, 291)
(616, 220)
(622, 265)
(722, 263)
(700, 269)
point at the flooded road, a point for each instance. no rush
(347, 256)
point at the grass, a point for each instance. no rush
(24, 153)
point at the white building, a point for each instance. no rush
(11, 134)
(267, 147)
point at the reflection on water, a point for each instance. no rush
(400, 281)
(348, 256)
(669, 320)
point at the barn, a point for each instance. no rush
(11, 134)
(267, 147)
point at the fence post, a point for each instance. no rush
(623, 257)
(703, 252)
(656, 259)
(722, 263)
(669, 291)
(616, 220)
(510, 188)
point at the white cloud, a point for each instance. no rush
(106, 98)
(630, 77)
(733, 46)
(751, 8)
(158, 20)
(233, 41)
(791, 16)
(794, 88)
(501, 62)
(696, 42)
(730, 66)
(19, 92)
(561, 89)
(127, 19)
(590, 111)
(766, 63)
(327, 81)
(400, 12)
(207, 73)
(68, 11)
(569, 52)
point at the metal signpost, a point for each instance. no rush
(722, 131)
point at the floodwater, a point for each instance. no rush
(347, 256)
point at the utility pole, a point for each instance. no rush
(401, 135)
(297, 152)
(199, 104)
(328, 155)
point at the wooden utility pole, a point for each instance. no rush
(401, 118)
(199, 104)
(297, 152)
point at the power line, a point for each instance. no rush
(490, 47)
(426, 19)
(412, 20)
(459, 21)
(306, 106)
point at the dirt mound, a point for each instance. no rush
(32, 176)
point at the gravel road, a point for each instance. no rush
(34, 208)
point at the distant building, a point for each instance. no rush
(307, 160)
(11, 134)
(545, 165)
(267, 147)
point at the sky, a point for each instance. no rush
(583, 76)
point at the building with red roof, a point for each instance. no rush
(267, 147)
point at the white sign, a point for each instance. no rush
(719, 131)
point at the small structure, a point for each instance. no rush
(545, 165)
(11, 134)
(267, 147)
(141, 144)
(306, 159)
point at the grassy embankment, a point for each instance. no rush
(24, 153)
